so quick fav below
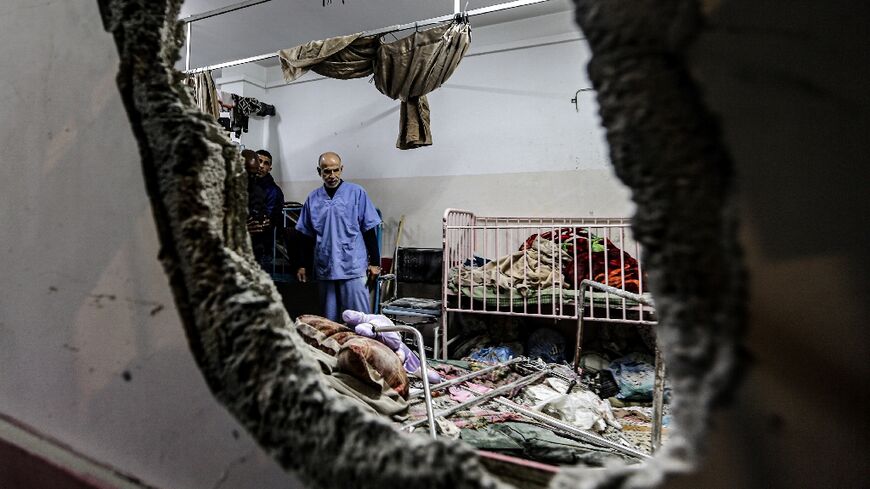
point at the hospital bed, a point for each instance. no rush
(562, 268)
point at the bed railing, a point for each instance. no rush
(546, 260)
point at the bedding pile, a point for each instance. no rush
(609, 264)
(531, 268)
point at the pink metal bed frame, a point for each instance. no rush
(467, 239)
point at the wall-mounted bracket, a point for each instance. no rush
(574, 100)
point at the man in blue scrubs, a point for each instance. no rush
(341, 220)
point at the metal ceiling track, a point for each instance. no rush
(384, 30)
(222, 10)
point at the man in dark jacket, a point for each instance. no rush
(274, 202)
(265, 208)
(256, 195)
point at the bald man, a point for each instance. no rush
(341, 221)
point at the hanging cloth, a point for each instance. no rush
(405, 70)
(342, 57)
(411, 67)
(204, 93)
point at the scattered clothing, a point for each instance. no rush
(546, 344)
(635, 376)
(493, 354)
(459, 395)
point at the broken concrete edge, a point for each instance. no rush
(238, 330)
(664, 146)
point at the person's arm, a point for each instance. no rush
(307, 242)
(371, 240)
(368, 221)
(304, 255)
(274, 200)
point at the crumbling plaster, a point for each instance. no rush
(664, 146)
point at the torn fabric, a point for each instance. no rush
(411, 67)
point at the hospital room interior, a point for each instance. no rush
(429, 243)
(508, 170)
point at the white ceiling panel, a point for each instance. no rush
(280, 24)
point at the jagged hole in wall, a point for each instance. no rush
(664, 146)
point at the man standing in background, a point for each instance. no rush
(265, 206)
(342, 222)
(274, 204)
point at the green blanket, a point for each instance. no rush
(544, 296)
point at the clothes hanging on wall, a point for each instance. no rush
(204, 93)
(406, 69)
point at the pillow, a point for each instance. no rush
(309, 334)
(332, 344)
(316, 331)
(322, 324)
(369, 360)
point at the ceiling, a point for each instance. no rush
(279, 24)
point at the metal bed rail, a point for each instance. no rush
(498, 395)
(469, 242)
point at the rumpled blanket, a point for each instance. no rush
(609, 264)
(378, 399)
(533, 267)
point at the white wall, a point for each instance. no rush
(82, 296)
(507, 139)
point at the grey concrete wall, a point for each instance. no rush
(91, 348)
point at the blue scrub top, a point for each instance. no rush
(338, 224)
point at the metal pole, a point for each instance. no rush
(658, 400)
(579, 334)
(463, 378)
(573, 430)
(423, 367)
(618, 292)
(187, 53)
(485, 397)
(223, 10)
(385, 30)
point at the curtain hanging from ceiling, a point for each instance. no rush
(411, 67)
(405, 70)
(344, 57)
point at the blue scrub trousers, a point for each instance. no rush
(338, 295)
